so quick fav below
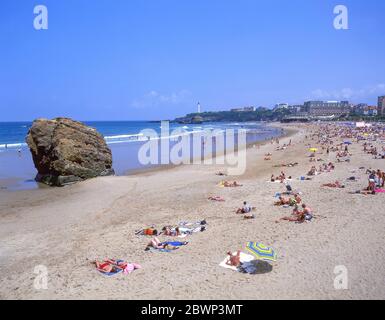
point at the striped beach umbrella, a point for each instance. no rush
(260, 251)
(313, 149)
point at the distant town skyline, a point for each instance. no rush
(153, 60)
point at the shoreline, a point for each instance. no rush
(8, 184)
(289, 132)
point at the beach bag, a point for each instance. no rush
(150, 232)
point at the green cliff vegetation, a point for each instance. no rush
(260, 114)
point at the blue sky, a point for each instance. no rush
(154, 59)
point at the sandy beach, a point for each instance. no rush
(65, 229)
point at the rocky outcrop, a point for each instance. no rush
(65, 151)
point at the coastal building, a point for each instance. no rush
(296, 108)
(327, 108)
(199, 108)
(381, 105)
(244, 109)
(279, 106)
(370, 111)
(360, 108)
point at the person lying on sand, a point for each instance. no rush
(234, 184)
(282, 201)
(291, 164)
(234, 260)
(290, 201)
(216, 198)
(156, 244)
(173, 232)
(249, 216)
(300, 216)
(364, 192)
(109, 265)
(336, 184)
(281, 178)
(147, 232)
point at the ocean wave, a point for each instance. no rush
(124, 136)
(12, 145)
(142, 138)
(137, 137)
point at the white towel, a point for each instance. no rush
(243, 258)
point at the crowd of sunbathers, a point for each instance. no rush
(374, 151)
(322, 168)
(376, 182)
(111, 267)
(300, 216)
(174, 231)
(281, 177)
(296, 200)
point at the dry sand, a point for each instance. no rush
(65, 229)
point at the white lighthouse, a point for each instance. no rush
(199, 107)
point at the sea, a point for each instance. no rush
(17, 171)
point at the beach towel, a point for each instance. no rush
(255, 267)
(279, 181)
(198, 229)
(191, 224)
(187, 231)
(174, 243)
(159, 250)
(118, 270)
(109, 274)
(380, 190)
(131, 267)
(243, 258)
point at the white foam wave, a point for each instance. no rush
(12, 145)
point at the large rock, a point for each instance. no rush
(65, 151)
